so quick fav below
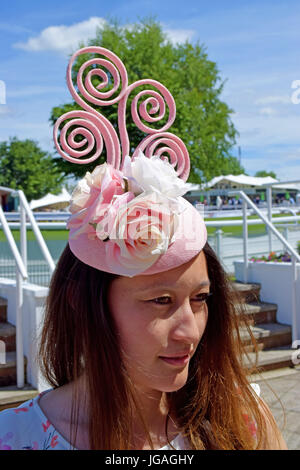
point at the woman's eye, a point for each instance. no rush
(203, 297)
(165, 300)
(161, 300)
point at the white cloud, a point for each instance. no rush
(62, 38)
(5, 110)
(13, 28)
(275, 139)
(179, 35)
(35, 90)
(284, 99)
(65, 39)
(268, 111)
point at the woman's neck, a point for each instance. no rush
(154, 410)
(149, 421)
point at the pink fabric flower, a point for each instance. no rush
(105, 180)
(92, 198)
(142, 230)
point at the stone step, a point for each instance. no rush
(259, 312)
(8, 336)
(3, 309)
(268, 335)
(11, 396)
(8, 371)
(270, 359)
(247, 292)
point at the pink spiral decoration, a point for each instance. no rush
(94, 127)
(157, 102)
(174, 147)
(97, 130)
(114, 65)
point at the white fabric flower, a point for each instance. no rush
(153, 175)
(80, 196)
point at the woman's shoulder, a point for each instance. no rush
(15, 424)
(26, 427)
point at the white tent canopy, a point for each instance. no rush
(236, 181)
(52, 201)
(242, 180)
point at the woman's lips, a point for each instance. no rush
(176, 360)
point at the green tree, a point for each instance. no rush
(23, 165)
(263, 173)
(202, 119)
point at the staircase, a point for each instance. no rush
(10, 395)
(273, 340)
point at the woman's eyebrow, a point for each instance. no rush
(168, 286)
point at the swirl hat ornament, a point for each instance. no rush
(128, 216)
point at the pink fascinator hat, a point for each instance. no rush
(128, 216)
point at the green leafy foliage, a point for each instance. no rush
(23, 165)
(202, 119)
(264, 173)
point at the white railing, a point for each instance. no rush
(269, 203)
(21, 268)
(294, 255)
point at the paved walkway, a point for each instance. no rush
(284, 386)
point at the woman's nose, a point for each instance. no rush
(186, 326)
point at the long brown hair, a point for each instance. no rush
(79, 335)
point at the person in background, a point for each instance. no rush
(219, 202)
(292, 200)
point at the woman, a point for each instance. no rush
(140, 341)
(170, 360)
(164, 363)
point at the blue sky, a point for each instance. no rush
(256, 45)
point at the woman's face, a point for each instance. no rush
(161, 319)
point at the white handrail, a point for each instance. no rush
(37, 231)
(271, 226)
(268, 187)
(21, 269)
(12, 244)
(21, 275)
(295, 256)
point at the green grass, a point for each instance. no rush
(47, 234)
(237, 231)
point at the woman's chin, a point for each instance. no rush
(175, 384)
